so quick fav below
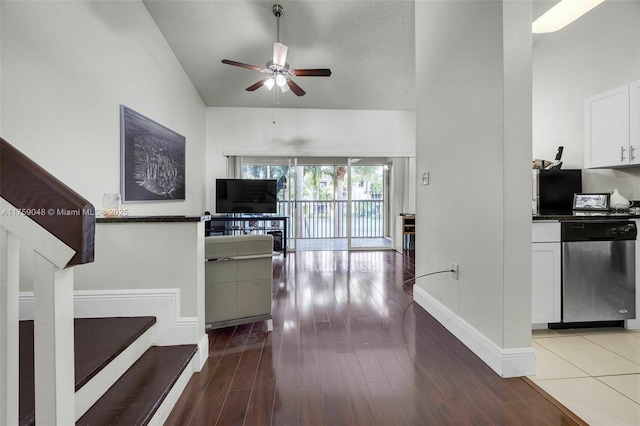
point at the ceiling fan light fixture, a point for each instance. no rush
(281, 80)
(269, 83)
(278, 68)
(562, 14)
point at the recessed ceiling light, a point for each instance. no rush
(562, 14)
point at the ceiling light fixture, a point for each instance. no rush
(562, 14)
(280, 80)
(269, 83)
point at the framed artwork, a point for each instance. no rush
(593, 202)
(152, 159)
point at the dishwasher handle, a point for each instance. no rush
(606, 239)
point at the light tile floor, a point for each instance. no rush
(593, 372)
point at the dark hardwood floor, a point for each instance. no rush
(350, 348)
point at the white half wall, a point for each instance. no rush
(135, 256)
(474, 138)
(598, 52)
(304, 133)
(146, 268)
(66, 68)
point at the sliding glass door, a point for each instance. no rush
(321, 203)
(332, 203)
(368, 210)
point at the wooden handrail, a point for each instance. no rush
(47, 201)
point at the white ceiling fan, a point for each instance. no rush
(278, 68)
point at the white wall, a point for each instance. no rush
(66, 68)
(134, 256)
(172, 258)
(598, 52)
(304, 133)
(474, 137)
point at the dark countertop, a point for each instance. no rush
(152, 219)
(231, 217)
(578, 215)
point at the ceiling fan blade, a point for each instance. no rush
(240, 64)
(256, 85)
(318, 72)
(295, 88)
(280, 53)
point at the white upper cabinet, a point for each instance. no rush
(607, 130)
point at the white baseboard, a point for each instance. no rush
(506, 362)
(632, 324)
(164, 304)
(203, 353)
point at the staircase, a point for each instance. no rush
(120, 378)
(54, 369)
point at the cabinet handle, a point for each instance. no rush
(622, 153)
(631, 151)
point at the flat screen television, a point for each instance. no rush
(246, 196)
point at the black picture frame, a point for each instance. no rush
(591, 201)
(152, 160)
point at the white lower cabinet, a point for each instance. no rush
(546, 273)
(545, 283)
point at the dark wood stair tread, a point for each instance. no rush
(136, 396)
(97, 342)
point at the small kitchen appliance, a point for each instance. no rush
(553, 190)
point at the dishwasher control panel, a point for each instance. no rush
(598, 231)
(626, 229)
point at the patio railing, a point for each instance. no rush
(328, 219)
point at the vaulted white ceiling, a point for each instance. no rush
(368, 45)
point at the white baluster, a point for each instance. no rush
(53, 342)
(9, 341)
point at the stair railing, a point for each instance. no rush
(41, 214)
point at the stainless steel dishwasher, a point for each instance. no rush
(598, 271)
